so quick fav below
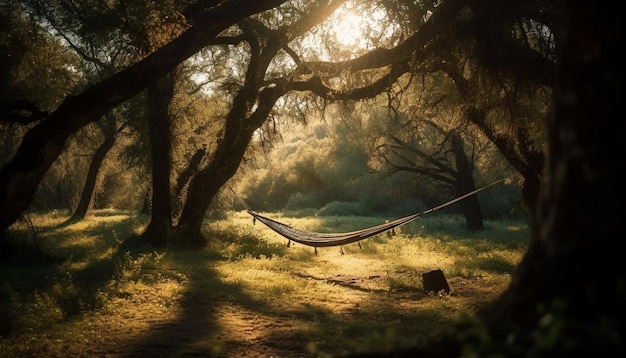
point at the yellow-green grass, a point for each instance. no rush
(247, 292)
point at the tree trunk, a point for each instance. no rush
(185, 176)
(146, 206)
(465, 184)
(571, 272)
(240, 125)
(160, 96)
(86, 197)
(207, 182)
(227, 158)
(527, 161)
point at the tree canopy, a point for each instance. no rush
(289, 50)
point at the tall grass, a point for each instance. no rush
(86, 276)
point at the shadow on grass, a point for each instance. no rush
(222, 319)
(496, 264)
(198, 328)
(187, 333)
(53, 273)
(45, 289)
(350, 283)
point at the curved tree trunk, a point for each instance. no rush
(185, 176)
(207, 182)
(86, 197)
(515, 147)
(230, 151)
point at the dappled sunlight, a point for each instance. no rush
(516, 228)
(423, 254)
(72, 245)
(258, 282)
(250, 292)
(41, 221)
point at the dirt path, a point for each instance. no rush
(149, 323)
(228, 329)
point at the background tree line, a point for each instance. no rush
(329, 167)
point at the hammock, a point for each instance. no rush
(317, 239)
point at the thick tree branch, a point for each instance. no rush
(428, 158)
(22, 112)
(319, 88)
(444, 15)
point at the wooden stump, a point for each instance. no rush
(435, 281)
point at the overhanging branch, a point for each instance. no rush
(444, 15)
(319, 88)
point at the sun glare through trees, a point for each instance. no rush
(353, 29)
(348, 29)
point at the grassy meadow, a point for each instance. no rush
(90, 289)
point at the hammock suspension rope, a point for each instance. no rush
(317, 239)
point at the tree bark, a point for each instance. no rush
(230, 151)
(160, 96)
(185, 177)
(464, 183)
(207, 182)
(86, 197)
(146, 206)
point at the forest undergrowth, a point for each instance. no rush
(86, 289)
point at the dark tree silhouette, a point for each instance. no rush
(160, 94)
(570, 275)
(567, 295)
(110, 132)
(448, 164)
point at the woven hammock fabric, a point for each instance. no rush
(317, 239)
